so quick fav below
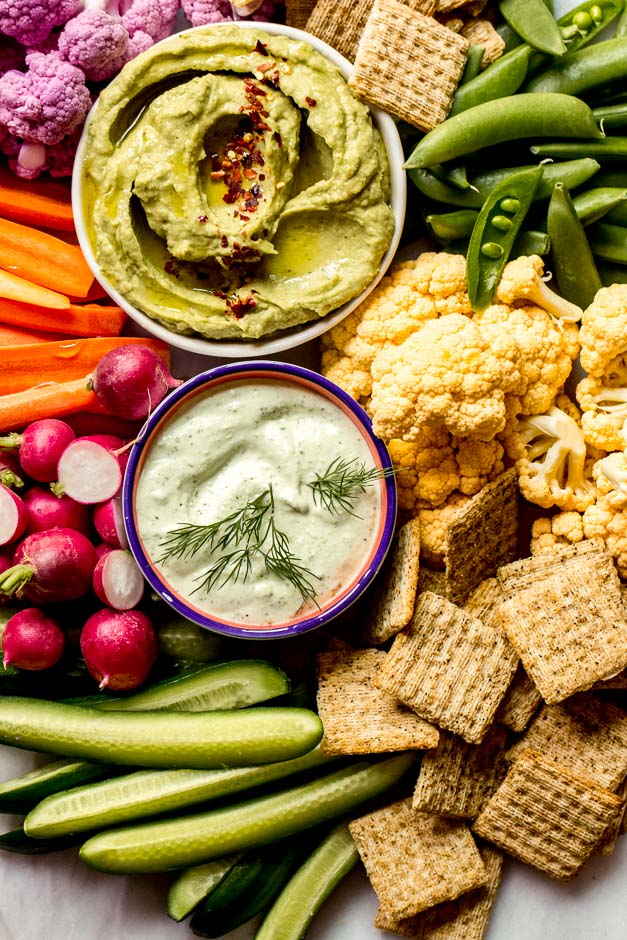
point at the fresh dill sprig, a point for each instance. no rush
(343, 481)
(248, 532)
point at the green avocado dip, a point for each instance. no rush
(234, 186)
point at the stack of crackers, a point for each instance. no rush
(498, 673)
(408, 55)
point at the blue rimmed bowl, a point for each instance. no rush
(153, 479)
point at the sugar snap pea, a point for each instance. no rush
(504, 77)
(611, 115)
(531, 242)
(618, 214)
(451, 226)
(609, 148)
(473, 64)
(507, 119)
(621, 26)
(452, 174)
(592, 204)
(609, 242)
(575, 271)
(535, 24)
(494, 234)
(579, 72)
(612, 273)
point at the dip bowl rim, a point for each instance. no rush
(282, 372)
(294, 336)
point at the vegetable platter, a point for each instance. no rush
(57, 896)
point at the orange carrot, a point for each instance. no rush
(52, 400)
(77, 320)
(23, 367)
(36, 202)
(16, 336)
(13, 287)
(44, 259)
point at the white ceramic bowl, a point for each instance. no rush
(297, 335)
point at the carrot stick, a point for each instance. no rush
(77, 320)
(35, 202)
(46, 401)
(23, 367)
(13, 287)
(16, 336)
(44, 259)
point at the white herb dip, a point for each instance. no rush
(223, 449)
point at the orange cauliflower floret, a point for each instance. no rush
(433, 530)
(604, 407)
(565, 528)
(413, 293)
(523, 279)
(445, 375)
(603, 332)
(610, 477)
(604, 521)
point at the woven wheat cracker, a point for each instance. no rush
(415, 860)
(565, 617)
(297, 12)
(449, 667)
(431, 580)
(480, 32)
(616, 682)
(482, 536)
(433, 60)
(444, 6)
(396, 595)
(547, 817)
(610, 837)
(359, 718)
(521, 702)
(585, 734)
(465, 918)
(452, 22)
(457, 778)
(484, 601)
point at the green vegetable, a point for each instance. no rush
(535, 24)
(490, 245)
(610, 148)
(473, 64)
(193, 884)
(618, 214)
(574, 268)
(305, 893)
(20, 794)
(17, 841)
(592, 204)
(507, 119)
(160, 739)
(181, 639)
(612, 115)
(580, 71)
(177, 843)
(451, 226)
(612, 273)
(531, 242)
(609, 242)
(504, 77)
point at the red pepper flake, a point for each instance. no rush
(203, 219)
(262, 177)
(311, 101)
(224, 241)
(249, 174)
(240, 306)
(260, 47)
(244, 218)
(217, 175)
(265, 66)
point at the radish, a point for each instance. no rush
(109, 523)
(88, 472)
(113, 444)
(40, 446)
(10, 471)
(5, 562)
(13, 515)
(47, 511)
(31, 640)
(131, 380)
(119, 648)
(102, 549)
(52, 566)
(117, 580)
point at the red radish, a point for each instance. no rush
(13, 515)
(109, 523)
(47, 511)
(114, 444)
(52, 566)
(10, 471)
(117, 580)
(102, 549)
(131, 380)
(88, 472)
(119, 648)
(5, 562)
(31, 640)
(40, 446)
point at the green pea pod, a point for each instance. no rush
(612, 273)
(450, 226)
(535, 24)
(504, 77)
(592, 204)
(504, 120)
(616, 216)
(609, 242)
(610, 149)
(612, 115)
(495, 232)
(575, 271)
(451, 175)
(473, 64)
(531, 242)
(621, 26)
(583, 70)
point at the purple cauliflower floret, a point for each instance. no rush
(47, 102)
(203, 12)
(32, 21)
(155, 17)
(95, 43)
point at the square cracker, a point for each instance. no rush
(431, 580)
(359, 718)
(565, 617)
(547, 817)
(433, 60)
(480, 32)
(521, 702)
(457, 778)
(449, 667)
(482, 536)
(608, 841)
(465, 918)
(297, 12)
(341, 23)
(396, 595)
(415, 860)
(586, 734)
